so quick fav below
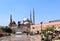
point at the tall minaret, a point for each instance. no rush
(33, 16)
(30, 17)
(10, 18)
(10, 21)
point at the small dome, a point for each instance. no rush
(26, 23)
(25, 19)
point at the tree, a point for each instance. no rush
(8, 30)
(3, 29)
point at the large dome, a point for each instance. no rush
(25, 19)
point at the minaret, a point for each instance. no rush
(10, 20)
(33, 16)
(30, 17)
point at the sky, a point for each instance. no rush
(45, 10)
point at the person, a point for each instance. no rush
(47, 39)
(43, 39)
(1, 35)
(27, 33)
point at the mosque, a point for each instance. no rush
(29, 24)
(24, 25)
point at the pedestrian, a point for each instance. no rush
(27, 33)
(47, 39)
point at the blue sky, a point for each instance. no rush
(45, 10)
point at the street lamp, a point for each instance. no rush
(41, 30)
(41, 26)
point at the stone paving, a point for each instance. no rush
(22, 38)
(35, 38)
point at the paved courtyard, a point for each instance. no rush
(21, 38)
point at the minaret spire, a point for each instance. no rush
(10, 20)
(33, 16)
(30, 17)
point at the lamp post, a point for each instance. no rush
(41, 30)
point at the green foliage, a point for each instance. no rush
(3, 29)
(6, 29)
(50, 28)
(43, 31)
(47, 29)
(46, 35)
(58, 37)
